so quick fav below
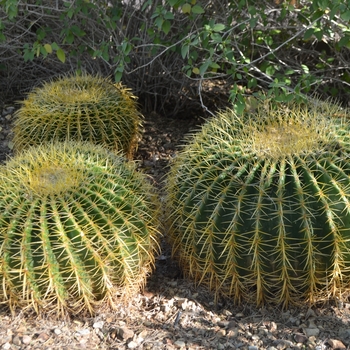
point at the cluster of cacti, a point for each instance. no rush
(78, 224)
(80, 108)
(259, 204)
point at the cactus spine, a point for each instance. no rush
(259, 204)
(78, 224)
(80, 108)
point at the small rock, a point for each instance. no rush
(172, 283)
(124, 333)
(16, 341)
(344, 333)
(282, 344)
(336, 344)
(43, 337)
(83, 341)
(311, 332)
(227, 313)
(182, 302)
(26, 339)
(223, 324)
(311, 323)
(57, 331)
(253, 347)
(6, 346)
(83, 332)
(180, 344)
(98, 325)
(141, 337)
(300, 338)
(221, 333)
(294, 321)
(132, 345)
(232, 324)
(310, 313)
(232, 333)
(273, 327)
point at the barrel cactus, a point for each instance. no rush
(259, 204)
(81, 108)
(78, 225)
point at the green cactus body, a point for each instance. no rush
(79, 108)
(78, 224)
(259, 205)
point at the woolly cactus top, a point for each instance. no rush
(275, 132)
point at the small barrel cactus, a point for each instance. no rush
(259, 204)
(81, 108)
(78, 224)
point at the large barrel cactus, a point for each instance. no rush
(81, 108)
(259, 204)
(78, 224)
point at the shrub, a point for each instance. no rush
(81, 108)
(259, 204)
(78, 225)
(170, 52)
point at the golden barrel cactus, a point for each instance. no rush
(259, 204)
(78, 224)
(79, 108)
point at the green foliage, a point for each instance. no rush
(160, 49)
(78, 225)
(82, 108)
(259, 203)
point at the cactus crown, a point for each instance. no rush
(80, 108)
(284, 134)
(259, 205)
(78, 224)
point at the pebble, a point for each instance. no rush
(124, 333)
(300, 338)
(57, 331)
(255, 337)
(7, 111)
(16, 341)
(253, 347)
(336, 344)
(311, 332)
(83, 332)
(6, 346)
(273, 327)
(180, 344)
(98, 325)
(223, 324)
(43, 337)
(344, 333)
(26, 339)
(282, 344)
(132, 345)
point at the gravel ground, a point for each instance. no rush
(172, 313)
